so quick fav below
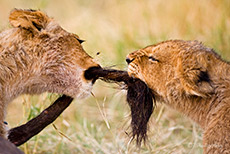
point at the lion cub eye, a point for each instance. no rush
(153, 59)
(79, 40)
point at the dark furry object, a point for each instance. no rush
(139, 98)
(23, 133)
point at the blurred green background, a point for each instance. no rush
(115, 28)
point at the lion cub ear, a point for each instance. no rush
(28, 19)
(197, 82)
(194, 76)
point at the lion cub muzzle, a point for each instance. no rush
(129, 60)
(132, 67)
(88, 75)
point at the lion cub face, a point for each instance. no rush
(48, 58)
(173, 69)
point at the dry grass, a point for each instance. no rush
(115, 28)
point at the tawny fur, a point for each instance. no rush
(37, 56)
(192, 79)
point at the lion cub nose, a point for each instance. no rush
(128, 60)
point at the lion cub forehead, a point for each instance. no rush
(171, 46)
(174, 48)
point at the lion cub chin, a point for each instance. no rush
(192, 79)
(38, 55)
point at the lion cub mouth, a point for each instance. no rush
(132, 70)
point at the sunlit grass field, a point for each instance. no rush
(99, 124)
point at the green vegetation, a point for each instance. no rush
(115, 28)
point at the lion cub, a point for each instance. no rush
(37, 56)
(192, 79)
